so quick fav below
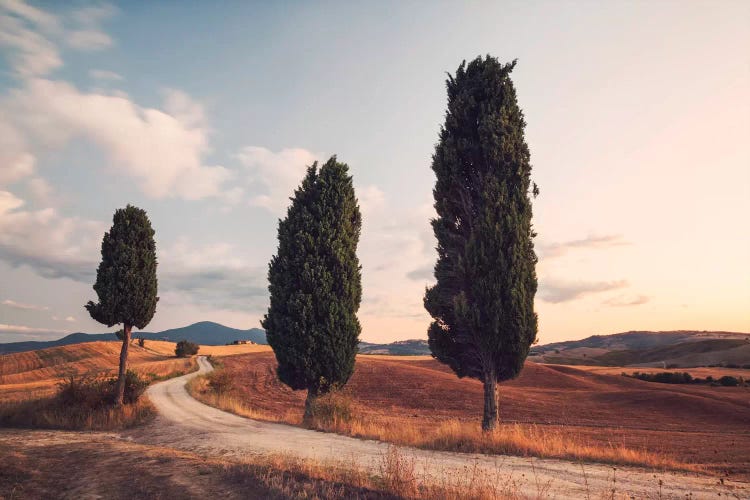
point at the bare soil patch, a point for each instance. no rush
(41, 464)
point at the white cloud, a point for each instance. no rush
(181, 106)
(53, 245)
(103, 74)
(161, 151)
(23, 306)
(16, 162)
(44, 20)
(41, 190)
(32, 35)
(371, 199)
(275, 176)
(89, 40)
(216, 275)
(8, 202)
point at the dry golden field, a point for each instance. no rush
(550, 410)
(35, 374)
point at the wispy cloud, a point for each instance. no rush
(559, 249)
(32, 35)
(24, 306)
(89, 40)
(103, 74)
(424, 273)
(30, 332)
(273, 176)
(555, 292)
(625, 301)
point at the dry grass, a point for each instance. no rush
(336, 412)
(704, 426)
(34, 375)
(29, 382)
(200, 388)
(397, 476)
(92, 465)
(48, 413)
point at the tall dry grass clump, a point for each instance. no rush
(82, 403)
(397, 476)
(332, 411)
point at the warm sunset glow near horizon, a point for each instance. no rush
(638, 124)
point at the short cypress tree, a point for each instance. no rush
(126, 280)
(315, 284)
(483, 301)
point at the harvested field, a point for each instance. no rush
(705, 426)
(35, 374)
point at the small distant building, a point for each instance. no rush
(239, 342)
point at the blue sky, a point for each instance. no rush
(638, 117)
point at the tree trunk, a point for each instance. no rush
(490, 419)
(120, 387)
(309, 402)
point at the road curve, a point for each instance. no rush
(185, 423)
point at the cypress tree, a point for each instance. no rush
(315, 284)
(126, 280)
(483, 301)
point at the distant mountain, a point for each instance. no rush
(209, 333)
(414, 347)
(677, 348)
(205, 333)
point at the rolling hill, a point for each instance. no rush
(654, 349)
(412, 347)
(204, 333)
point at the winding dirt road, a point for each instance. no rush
(188, 424)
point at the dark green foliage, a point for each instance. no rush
(665, 377)
(92, 393)
(120, 334)
(185, 348)
(483, 301)
(315, 283)
(126, 279)
(729, 381)
(141, 342)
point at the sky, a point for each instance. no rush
(206, 116)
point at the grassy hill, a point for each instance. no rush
(680, 349)
(413, 347)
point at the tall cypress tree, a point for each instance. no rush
(315, 284)
(126, 280)
(483, 301)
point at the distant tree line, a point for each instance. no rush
(686, 378)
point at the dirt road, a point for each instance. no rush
(188, 424)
